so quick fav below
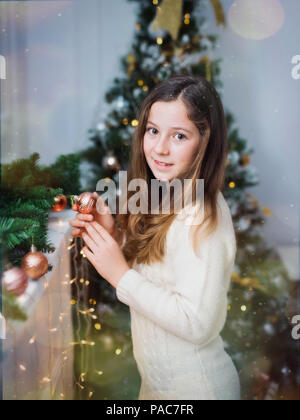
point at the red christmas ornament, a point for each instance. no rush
(60, 203)
(85, 203)
(35, 264)
(15, 281)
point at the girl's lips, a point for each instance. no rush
(162, 166)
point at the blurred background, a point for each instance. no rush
(76, 73)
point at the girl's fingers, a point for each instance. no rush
(89, 241)
(89, 255)
(77, 223)
(97, 227)
(76, 232)
(101, 206)
(94, 233)
(102, 231)
(85, 217)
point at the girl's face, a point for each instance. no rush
(170, 138)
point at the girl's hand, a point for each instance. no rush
(101, 214)
(104, 253)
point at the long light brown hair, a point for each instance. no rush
(146, 233)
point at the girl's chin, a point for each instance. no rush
(163, 178)
(163, 175)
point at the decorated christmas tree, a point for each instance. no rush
(170, 38)
(28, 192)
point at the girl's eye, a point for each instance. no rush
(178, 134)
(149, 129)
(182, 136)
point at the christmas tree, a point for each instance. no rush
(170, 39)
(27, 194)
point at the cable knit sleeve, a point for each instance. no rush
(195, 309)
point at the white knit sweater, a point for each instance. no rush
(178, 309)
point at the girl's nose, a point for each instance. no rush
(162, 146)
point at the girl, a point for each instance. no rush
(174, 278)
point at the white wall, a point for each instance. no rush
(63, 56)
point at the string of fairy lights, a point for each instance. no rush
(86, 319)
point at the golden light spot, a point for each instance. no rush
(98, 327)
(125, 121)
(53, 330)
(138, 26)
(93, 302)
(235, 276)
(131, 59)
(243, 308)
(155, 2)
(159, 41)
(134, 123)
(82, 312)
(228, 308)
(118, 351)
(145, 88)
(187, 21)
(232, 185)
(141, 83)
(46, 380)
(267, 211)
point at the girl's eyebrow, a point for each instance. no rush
(176, 128)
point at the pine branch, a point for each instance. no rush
(11, 308)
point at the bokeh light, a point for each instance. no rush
(256, 19)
